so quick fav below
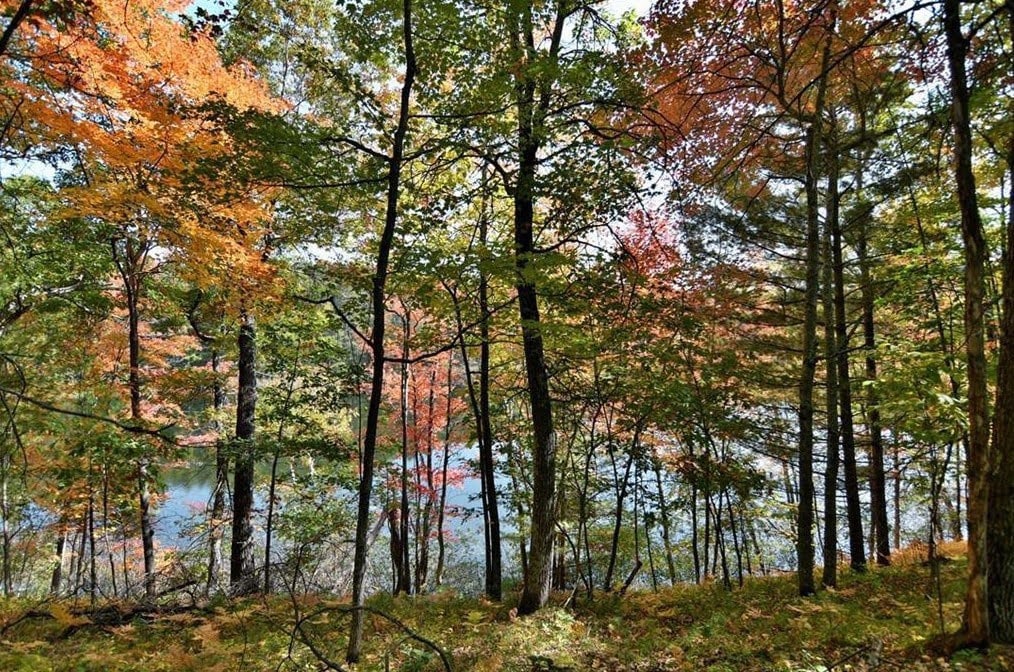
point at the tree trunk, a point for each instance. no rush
(378, 304)
(444, 461)
(242, 573)
(217, 512)
(830, 573)
(130, 264)
(532, 103)
(857, 548)
(663, 511)
(621, 495)
(1000, 526)
(56, 580)
(5, 513)
(403, 577)
(804, 532)
(494, 566)
(878, 484)
(976, 616)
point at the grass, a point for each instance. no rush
(880, 620)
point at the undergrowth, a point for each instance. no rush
(880, 620)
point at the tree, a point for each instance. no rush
(395, 164)
(976, 617)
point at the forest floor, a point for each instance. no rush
(880, 620)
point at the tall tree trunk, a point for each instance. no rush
(403, 577)
(242, 573)
(532, 101)
(130, 263)
(814, 140)
(975, 628)
(378, 305)
(1000, 526)
(804, 532)
(878, 485)
(494, 566)
(444, 461)
(857, 548)
(830, 573)
(663, 511)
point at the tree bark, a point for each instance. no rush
(494, 567)
(1000, 517)
(130, 263)
(830, 574)
(975, 629)
(532, 102)
(242, 576)
(857, 548)
(804, 532)
(217, 513)
(878, 479)
(378, 304)
(804, 539)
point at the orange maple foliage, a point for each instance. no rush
(731, 76)
(123, 85)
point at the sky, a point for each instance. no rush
(620, 6)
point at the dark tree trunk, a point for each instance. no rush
(532, 102)
(621, 495)
(857, 548)
(242, 572)
(402, 567)
(663, 512)
(878, 480)
(494, 566)
(444, 461)
(976, 617)
(378, 305)
(1000, 526)
(805, 520)
(830, 573)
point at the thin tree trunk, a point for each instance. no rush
(105, 531)
(621, 495)
(130, 264)
(857, 549)
(93, 573)
(830, 574)
(804, 532)
(445, 459)
(217, 510)
(494, 570)
(878, 486)
(5, 516)
(663, 511)
(404, 584)
(897, 495)
(378, 301)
